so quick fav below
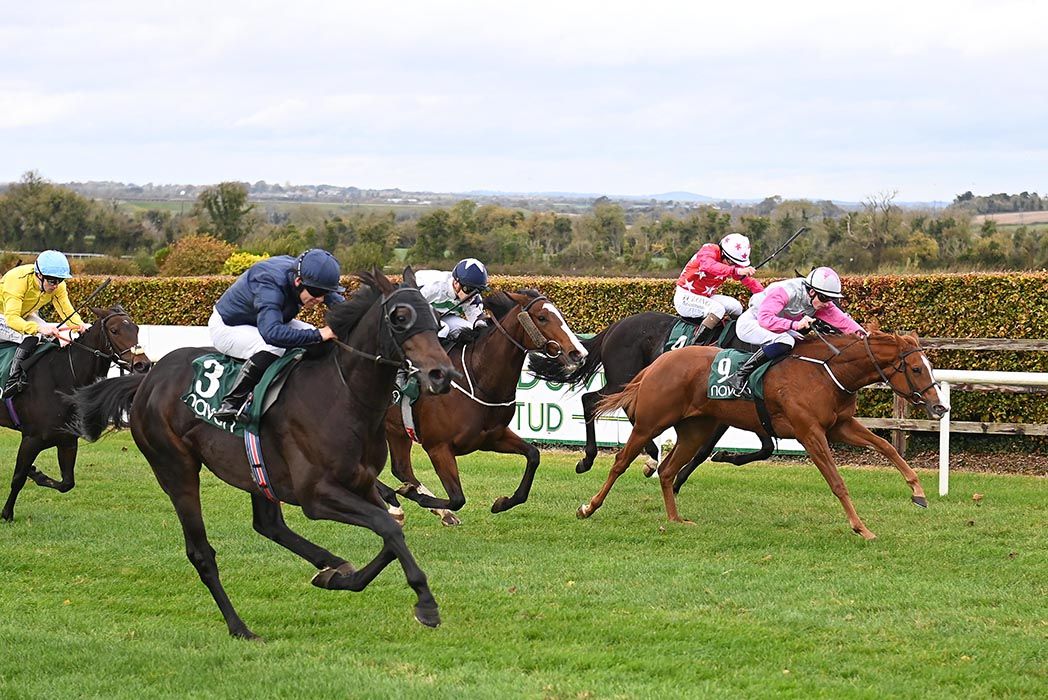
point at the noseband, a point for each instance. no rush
(549, 348)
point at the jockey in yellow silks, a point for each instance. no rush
(25, 290)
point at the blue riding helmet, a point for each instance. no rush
(51, 263)
(319, 269)
(471, 274)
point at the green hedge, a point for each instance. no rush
(1012, 305)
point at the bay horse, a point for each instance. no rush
(625, 348)
(322, 439)
(810, 396)
(476, 415)
(38, 411)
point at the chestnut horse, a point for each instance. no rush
(322, 439)
(476, 415)
(42, 415)
(810, 396)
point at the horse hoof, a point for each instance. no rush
(583, 512)
(7, 516)
(501, 503)
(322, 579)
(345, 569)
(920, 501)
(245, 633)
(866, 534)
(449, 519)
(428, 615)
(582, 467)
(649, 471)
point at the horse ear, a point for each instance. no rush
(100, 313)
(384, 285)
(409, 277)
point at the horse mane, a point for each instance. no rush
(343, 318)
(500, 303)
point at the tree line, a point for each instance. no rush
(609, 238)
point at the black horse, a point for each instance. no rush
(323, 440)
(40, 414)
(625, 348)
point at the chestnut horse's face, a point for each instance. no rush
(560, 341)
(915, 379)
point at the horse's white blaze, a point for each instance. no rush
(931, 373)
(567, 331)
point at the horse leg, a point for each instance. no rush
(401, 468)
(443, 459)
(268, 521)
(690, 435)
(509, 442)
(766, 450)
(855, 433)
(814, 441)
(623, 459)
(67, 450)
(28, 450)
(589, 405)
(336, 503)
(701, 456)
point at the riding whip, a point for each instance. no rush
(90, 296)
(783, 247)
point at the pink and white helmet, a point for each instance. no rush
(736, 248)
(824, 281)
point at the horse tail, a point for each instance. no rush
(102, 404)
(624, 399)
(552, 370)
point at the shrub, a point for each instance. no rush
(239, 261)
(194, 256)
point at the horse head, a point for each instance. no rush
(118, 335)
(411, 323)
(546, 330)
(904, 366)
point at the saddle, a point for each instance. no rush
(727, 363)
(214, 375)
(7, 355)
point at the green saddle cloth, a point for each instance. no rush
(7, 355)
(681, 335)
(214, 375)
(725, 364)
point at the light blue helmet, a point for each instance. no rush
(471, 274)
(51, 263)
(319, 269)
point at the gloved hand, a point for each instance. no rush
(48, 329)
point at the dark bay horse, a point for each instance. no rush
(41, 413)
(476, 415)
(810, 396)
(322, 440)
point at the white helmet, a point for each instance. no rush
(824, 281)
(736, 247)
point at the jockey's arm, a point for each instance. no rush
(274, 331)
(709, 264)
(753, 284)
(831, 314)
(769, 313)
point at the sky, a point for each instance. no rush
(734, 99)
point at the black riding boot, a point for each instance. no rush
(250, 373)
(16, 380)
(737, 382)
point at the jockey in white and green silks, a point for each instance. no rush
(455, 296)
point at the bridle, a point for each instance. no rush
(391, 330)
(550, 348)
(111, 353)
(915, 395)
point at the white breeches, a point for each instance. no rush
(10, 334)
(451, 325)
(692, 305)
(242, 342)
(750, 331)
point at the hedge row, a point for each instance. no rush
(1012, 305)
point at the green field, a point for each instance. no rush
(769, 594)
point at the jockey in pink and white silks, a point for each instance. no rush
(695, 297)
(777, 316)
